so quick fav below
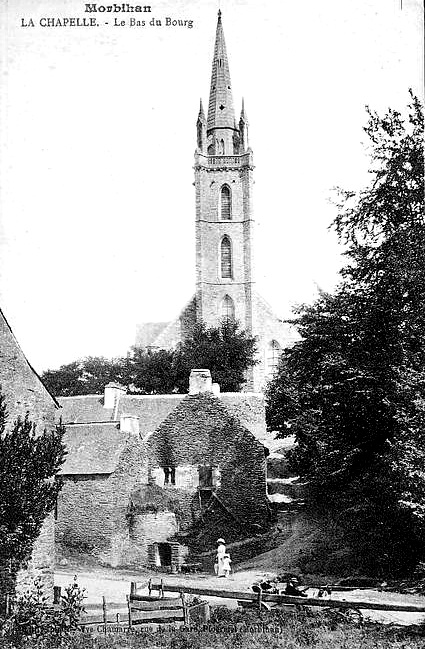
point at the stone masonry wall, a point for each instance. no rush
(24, 393)
(210, 229)
(92, 509)
(267, 327)
(200, 431)
(149, 528)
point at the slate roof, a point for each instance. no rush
(92, 449)
(6, 332)
(151, 409)
(147, 332)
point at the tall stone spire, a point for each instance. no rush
(220, 108)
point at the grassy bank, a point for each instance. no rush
(247, 630)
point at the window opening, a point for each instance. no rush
(205, 476)
(273, 355)
(225, 203)
(226, 258)
(169, 475)
(227, 309)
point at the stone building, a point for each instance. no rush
(25, 393)
(151, 480)
(224, 222)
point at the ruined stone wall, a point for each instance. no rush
(201, 432)
(92, 509)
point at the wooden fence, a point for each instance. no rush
(288, 599)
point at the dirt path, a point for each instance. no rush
(115, 586)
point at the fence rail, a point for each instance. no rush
(288, 599)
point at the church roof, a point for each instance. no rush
(220, 108)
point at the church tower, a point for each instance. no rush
(224, 219)
(224, 234)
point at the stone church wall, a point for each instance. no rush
(210, 229)
(268, 328)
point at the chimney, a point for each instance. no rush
(200, 381)
(113, 393)
(130, 424)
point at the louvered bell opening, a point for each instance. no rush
(226, 258)
(225, 204)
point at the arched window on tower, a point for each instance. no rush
(226, 258)
(225, 203)
(272, 359)
(227, 309)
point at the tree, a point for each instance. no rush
(86, 376)
(28, 463)
(152, 372)
(353, 389)
(227, 351)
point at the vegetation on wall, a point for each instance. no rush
(352, 391)
(28, 462)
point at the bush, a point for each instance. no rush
(34, 620)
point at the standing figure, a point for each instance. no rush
(226, 565)
(221, 551)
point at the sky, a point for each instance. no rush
(98, 132)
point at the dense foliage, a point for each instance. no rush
(85, 376)
(244, 629)
(28, 462)
(226, 351)
(34, 622)
(353, 389)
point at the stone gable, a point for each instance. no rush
(201, 432)
(25, 393)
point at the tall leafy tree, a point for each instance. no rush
(152, 371)
(352, 390)
(28, 463)
(86, 376)
(227, 351)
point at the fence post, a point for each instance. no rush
(130, 620)
(260, 598)
(150, 586)
(161, 593)
(185, 612)
(133, 587)
(57, 594)
(105, 619)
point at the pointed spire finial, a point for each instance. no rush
(201, 114)
(220, 107)
(243, 113)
